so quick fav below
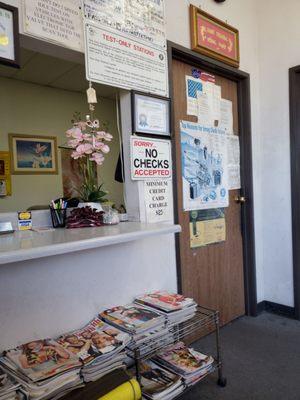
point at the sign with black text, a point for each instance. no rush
(56, 21)
(150, 158)
(158, 200)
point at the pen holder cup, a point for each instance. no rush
(58, 217)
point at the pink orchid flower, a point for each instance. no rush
(73, 143)
(98, 158)
(83, 149)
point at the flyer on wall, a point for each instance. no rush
(204, 167)
(207, 227)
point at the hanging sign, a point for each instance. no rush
(56, 21)
(125, 44)
(142, 20)
(158, 199)
(150, 158)
(114, 59)
(204, 167)
(214, 38)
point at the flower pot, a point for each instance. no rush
(97, 206)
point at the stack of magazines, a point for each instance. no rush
(8, 387)
(191, 365)
(99, 346)
(157, 383)
(175, 307)
(43, 368)
(134, 319)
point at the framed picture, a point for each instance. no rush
(9, 36)
(214, 38)
(5, 175)
(33, 154)
(150, 114)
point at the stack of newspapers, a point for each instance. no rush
(175, 307)
(188, 363)
(43, 368)
(8, 387)
(99, 346)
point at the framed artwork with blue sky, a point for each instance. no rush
(31, 154)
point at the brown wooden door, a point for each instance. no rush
(213, 275)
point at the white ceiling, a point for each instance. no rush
(54, 72)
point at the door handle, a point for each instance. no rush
(240, 199)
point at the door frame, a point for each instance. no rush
(294, 89)
(177, 52)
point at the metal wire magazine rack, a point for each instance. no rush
(204, 322)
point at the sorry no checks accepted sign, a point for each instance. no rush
(150, 158)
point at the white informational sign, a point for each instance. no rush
(7, 50)
(150, 158)
(158, 200)
(204, 167)
(204, 109)
(151, 115)
(213, 93)
(233, 151)
(141, 20)
(226, 121)
(114, 59)
(193, 86)
(57, 21)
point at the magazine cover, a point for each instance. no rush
(131, 317)
(94, 340)
(155, 380)
(185, 359)
(165, 301)
(42, 359)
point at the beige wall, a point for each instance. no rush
(39, 110)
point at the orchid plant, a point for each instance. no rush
(88, 142)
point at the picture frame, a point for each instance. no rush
(214, 38)
(33, 154)
(150, 114)
(9, 36)
(5, 174)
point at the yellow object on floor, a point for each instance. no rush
(128, 391)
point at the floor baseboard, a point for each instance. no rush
(276, 308)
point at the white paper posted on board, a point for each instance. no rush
(233, 151)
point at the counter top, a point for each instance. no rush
(28, 245)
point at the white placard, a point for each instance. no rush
(151, 115)
(7, 50)
(158, 200)
(141, 20)
(116, 60)
(57, 21)
(213, 93)
(226, 121)
(204, 167)
(233, 150)
(204, 109)
(150, 158)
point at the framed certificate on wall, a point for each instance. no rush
(150, 114)
(9, 36)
